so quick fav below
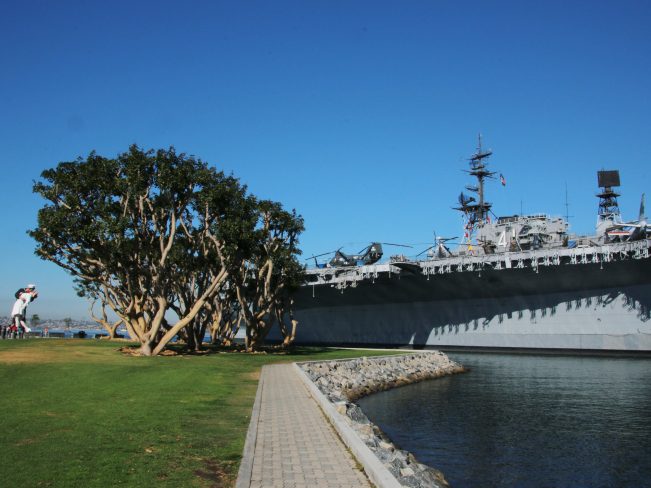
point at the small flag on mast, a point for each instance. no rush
(502, 179)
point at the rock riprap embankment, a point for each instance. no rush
(343, 382)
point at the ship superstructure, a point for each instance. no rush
(476, 210)
(486, 235)
(608, 215)
(519, 281)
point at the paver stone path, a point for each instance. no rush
(295, 445)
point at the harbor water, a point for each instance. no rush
(527, 421)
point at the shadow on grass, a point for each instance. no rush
(180, 349)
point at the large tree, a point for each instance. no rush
(264, 281)
(154, 230)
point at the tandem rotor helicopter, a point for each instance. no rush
(369, 255)
(372, 253)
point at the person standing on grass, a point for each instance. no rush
(19, 310)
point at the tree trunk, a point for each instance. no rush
(191, 343)
(112, 328)
(258, 333)
(146, 348)
(195, 337)
(289, 339)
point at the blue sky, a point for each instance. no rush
(358, 114)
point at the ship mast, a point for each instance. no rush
(478, 170)
(476, 209)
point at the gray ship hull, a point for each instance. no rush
(589, 304)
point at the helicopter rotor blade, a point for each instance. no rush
(392, 244)
(319, 255)
(423, 252)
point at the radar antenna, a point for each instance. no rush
(608, 206)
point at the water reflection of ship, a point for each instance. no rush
(520, 281)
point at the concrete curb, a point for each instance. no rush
(375, 470)
(246, 466)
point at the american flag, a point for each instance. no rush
(502, 179)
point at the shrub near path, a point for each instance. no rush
(80, 413)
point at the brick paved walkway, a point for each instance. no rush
(295, 446)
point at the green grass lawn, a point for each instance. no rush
(81, 413)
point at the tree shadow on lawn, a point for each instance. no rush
(208, 349)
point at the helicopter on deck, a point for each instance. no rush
(610, 226)
(371, 254)
(438, 250)
(630, 231)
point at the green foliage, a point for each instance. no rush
(152, 231)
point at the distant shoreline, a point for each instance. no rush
(60, 323)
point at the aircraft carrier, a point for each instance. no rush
(516, 282)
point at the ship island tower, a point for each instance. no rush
(475, 209)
